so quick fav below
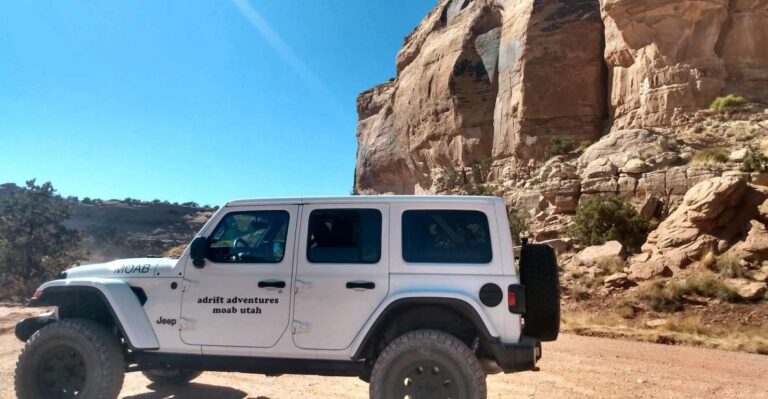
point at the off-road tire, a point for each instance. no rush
(171, 377)
(418, 364)
(68, 344)
(539, 275)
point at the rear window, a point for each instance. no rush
(344, 236)
(444, 236)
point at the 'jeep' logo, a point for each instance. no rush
(169, 322)
(133, 269)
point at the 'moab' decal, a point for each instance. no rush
(133, 269)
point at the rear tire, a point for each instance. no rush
(171, 377)
(427, 364)
(71, 359)
(539, 275)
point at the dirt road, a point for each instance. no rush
(573, 367)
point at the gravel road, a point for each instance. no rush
(572, 367)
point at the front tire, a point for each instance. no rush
(70, 359)
(171, 377)
(427, 364)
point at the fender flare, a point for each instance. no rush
(123, 304)
(456, 302)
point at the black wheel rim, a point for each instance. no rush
(426, 380)
(62, 373)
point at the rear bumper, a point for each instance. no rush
(521, 356)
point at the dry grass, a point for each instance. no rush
(710, 156)
(709, 285)
(670, 296)
(689, 325)
(727, 265)
(626, 309)
(611, 264)
(665, 298)
(681, 331)
(580, 292)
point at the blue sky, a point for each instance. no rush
(191, 100)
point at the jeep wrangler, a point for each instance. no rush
(421, 297)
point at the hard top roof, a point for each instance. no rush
(352, 199)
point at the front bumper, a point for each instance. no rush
(521, 356)
(27, 327)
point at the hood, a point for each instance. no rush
(126, 268)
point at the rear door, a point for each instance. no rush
(342, 272)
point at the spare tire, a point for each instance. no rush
(539, 276)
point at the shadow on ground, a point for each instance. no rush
(192, 391)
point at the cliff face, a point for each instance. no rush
(501, 79)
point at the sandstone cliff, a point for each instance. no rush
(503, 79)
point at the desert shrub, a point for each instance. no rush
(728, 265)
(626, 309)
(689, 325)
(34, 243)
(710, 156)
(560, 146)
(606, 218)
(519, 223)
(611, 264)
(479, 189)
(481, 170)
(665, 298)
(755, 162)
(707, 284)
(729, 102)
(451, 179)
(580, 292)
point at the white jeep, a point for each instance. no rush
(420, 296)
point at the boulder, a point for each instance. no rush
(611, 249)
(738, 155)
(714, 210)
(618, 281)
(635, 166)
(641, 271)
(755, 247)
(560, 246)
(749, 290)
(601, 167)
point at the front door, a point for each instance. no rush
(241, 296)
(342, 272)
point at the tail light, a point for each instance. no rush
(516, 299)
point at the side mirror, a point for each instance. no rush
(198, 250)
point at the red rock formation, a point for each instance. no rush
(502, 78)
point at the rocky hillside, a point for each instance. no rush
(121, 229)
(551, 103)
(504, 79)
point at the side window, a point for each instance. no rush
(446, 237)
(250, 237)
(344, 236)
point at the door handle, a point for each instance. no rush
(361, 285)
(271, 284)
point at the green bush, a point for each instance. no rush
(755, 162)
(451, 179)
(728, 102)
(710, 156)
(481, 170)
(34, 243)
(519, 223)
(560, 146)
(607, 218)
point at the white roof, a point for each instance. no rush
(353, 199)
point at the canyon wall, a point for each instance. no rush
(502, 79)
